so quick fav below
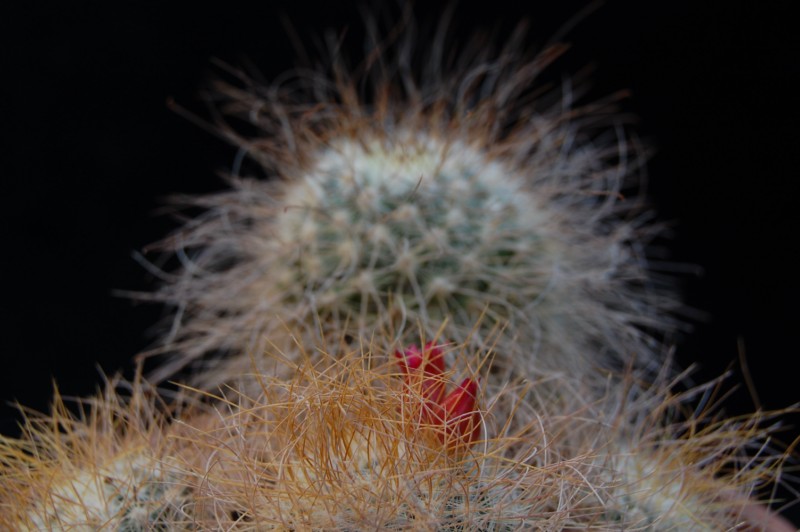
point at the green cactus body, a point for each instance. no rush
(414, 232)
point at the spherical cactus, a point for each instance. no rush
(109, 466)
(456, 204)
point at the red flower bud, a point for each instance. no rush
(424, 371)
(462, 419)
(457, 413)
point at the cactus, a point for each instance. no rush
(430, 207)
(340, 447)
(111, 466)
(443, 228)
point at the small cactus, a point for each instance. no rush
(109, 467)
(418, 210)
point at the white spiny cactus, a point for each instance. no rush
(455, 201)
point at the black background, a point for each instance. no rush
(90, 150)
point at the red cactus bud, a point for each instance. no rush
(456, 415)
(431, 360)
(424, 370)
(410, 359)
(461, 416)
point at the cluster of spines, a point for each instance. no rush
(108, 465)
(338, 447)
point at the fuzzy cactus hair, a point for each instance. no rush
(338, 446)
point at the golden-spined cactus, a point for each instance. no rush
(344, 444)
